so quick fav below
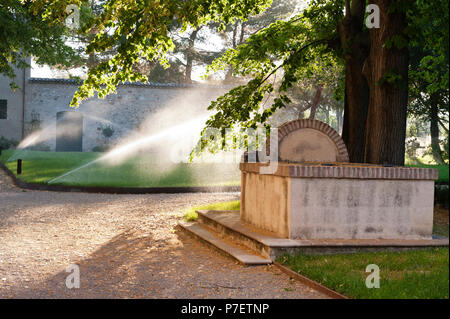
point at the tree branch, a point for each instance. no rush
(284, 63)
(443, 125)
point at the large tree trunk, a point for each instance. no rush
(339, 120)
(354, 41)
(190, 56)
(386, 120)
(434, 129)
(234, 43)
(355, 109)
(315, 102)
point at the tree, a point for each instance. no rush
(25, 31)
(240, 30)
(376, 60)
(386, 71)
(376, 65)
(429, 52)
(187, 44)
(320, 92)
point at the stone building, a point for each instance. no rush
(43, 104)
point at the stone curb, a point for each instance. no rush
(119, 190)
(310, 283)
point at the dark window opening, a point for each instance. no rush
(3, 109)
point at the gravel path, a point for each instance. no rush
(125, 246)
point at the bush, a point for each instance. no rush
(42, 147)
(441, 195)
(411, 147)
(7, 143)
(108, 131)
(101, 149)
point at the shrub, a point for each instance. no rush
(99, 148)
(108, 131)
(42, 147)
(7, 143)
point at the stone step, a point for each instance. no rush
(227, 224)
(211, 238)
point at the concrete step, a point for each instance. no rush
(208, 236)
(227, 224)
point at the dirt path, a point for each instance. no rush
(125, 246)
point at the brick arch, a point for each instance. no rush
(294, 125)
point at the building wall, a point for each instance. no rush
(11, 127)
(125, 111)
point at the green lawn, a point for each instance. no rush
(407, 274)
(140, 171)
(191, 215)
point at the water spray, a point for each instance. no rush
(130, 148)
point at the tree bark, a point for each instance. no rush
(386, 119)
(434, 130)
(339, 120)
(315, 102)
(354, 41)
(234, 43)
(190, 56)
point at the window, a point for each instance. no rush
(3, 110)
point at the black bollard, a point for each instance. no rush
(19, 166)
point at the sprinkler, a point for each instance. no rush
(19, 166)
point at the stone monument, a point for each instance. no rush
(316, 193)
(312, 200)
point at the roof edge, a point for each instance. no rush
(135, 84)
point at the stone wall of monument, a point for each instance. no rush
(124, 112)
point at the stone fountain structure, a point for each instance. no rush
(316, 201)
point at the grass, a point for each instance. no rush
(405, 275)
(140, 171)
(191, 215)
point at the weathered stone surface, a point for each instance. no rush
(314, 193)
(362, 209)
(338, 208)
(307, 145)
(306, 140)
(265, 202)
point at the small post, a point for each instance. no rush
(19, 166)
